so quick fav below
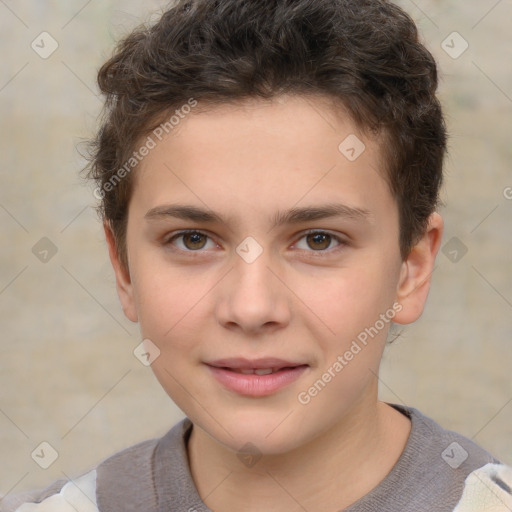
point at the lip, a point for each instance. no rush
(223, 370)
(241, 363)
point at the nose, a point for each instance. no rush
(252, 299)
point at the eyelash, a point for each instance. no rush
(320, 253)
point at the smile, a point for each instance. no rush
(259, 371)
(255, 378)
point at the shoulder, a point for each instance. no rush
(61, 496)
(126, 476)
(447, 471)
(487, 488)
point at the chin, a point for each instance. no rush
(266, 432)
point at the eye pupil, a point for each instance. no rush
(195, 240)
(319, 238)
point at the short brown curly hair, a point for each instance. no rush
(365, 54)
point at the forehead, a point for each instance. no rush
(257, 153)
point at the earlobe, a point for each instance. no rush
(123, 280)
(416, 272)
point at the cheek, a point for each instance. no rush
(168, 302)
(350, 299)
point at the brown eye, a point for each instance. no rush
(189, 241)
(194, 241)
(318, 241)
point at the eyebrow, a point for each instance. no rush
(292, 216)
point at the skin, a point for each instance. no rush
(300, 300)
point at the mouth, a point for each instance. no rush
(257, 377)
(257, 371)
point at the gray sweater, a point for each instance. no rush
(438, 471)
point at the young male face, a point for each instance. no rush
(215, 301)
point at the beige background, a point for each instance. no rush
(68, 375)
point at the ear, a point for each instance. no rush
(416, 272)
(123, 280)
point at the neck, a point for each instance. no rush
(329, 473)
